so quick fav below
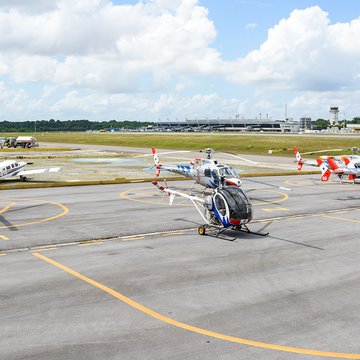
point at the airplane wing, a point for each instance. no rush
(37, 171)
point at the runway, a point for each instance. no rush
(114, 272)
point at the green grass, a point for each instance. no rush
(236, 143)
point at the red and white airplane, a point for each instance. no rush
(12, 168)
(351, 168)
(329, 165)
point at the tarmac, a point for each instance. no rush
(114, 272)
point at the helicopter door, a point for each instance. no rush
(207, 172)
(220, 204)
(216, 176)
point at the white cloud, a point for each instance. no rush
(37, 6)
(251, 26)
(97, 45)
(155, 59)
(32, 68)
(304, 52)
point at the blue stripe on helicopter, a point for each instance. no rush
(213, 184)
(184, 168)
(223, 219)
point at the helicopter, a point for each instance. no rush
(227, 207)
(207, 172)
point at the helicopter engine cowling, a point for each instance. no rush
(208, 203)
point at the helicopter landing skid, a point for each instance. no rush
(245, 229)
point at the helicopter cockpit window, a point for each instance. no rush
(225, 171)
(239, 204)
(216, 174)
(220, 204)
(207, 172)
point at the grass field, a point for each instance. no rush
(237, 143)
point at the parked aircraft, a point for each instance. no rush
(330, 165)
(12, 168)
(351, 168)
(208, 172)
(226, 207)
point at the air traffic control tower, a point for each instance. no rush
(334, 115)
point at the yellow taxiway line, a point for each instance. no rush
(191, 328)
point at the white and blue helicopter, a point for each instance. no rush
(228, 207)
(208, 172)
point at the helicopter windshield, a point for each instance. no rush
(238, 202)
(225, 171)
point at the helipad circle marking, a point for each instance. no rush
(63, 207)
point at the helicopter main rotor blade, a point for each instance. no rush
(241, 158)
(166, 153)
(267, 184)
(322, 151)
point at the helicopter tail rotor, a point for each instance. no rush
(157, 162)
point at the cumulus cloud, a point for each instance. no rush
(96, 44)
(144, 61)
(304, 52)
(38, 6)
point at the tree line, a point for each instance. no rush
(69, 125)
(320, 124)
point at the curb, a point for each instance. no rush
(25, 185)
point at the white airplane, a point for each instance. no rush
(11, 168)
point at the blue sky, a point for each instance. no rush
(176, 59)
(232, 17)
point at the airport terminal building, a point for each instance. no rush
(231, 124)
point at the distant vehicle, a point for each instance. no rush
(10, 142)
(2, 142)
(26, 141)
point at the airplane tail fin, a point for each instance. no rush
(346, 160)
(298, 158)
(325, 172)
(332, 163)
(156, 161)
